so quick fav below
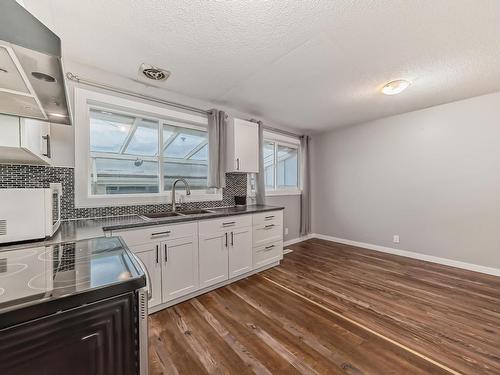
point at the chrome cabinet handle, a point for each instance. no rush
(166, 253)
(232, 239)
(269, 217)
(237, 164)
(47, 139)
(161, 234)
(157, 253)
(229, 224)
(269, 247)
(269, 226)
(225, 234)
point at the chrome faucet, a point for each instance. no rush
(188, 191)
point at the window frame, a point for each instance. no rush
(286, 141)
(86, 100)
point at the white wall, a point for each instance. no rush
(431, 176)
(291, 217)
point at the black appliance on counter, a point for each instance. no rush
(73, 308)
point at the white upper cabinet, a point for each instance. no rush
(242, 146)
(24, 140)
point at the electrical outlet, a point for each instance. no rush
(395, 238)
(286, 231)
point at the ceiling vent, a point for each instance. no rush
(153, 73)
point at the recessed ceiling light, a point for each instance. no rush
(395, 87)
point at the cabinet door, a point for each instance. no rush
(35, 137)
(151, 257)
(213, 258)
(10, 131)
(246, 146)
(180, 267)
(240, 251)
(98, 338)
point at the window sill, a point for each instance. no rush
(274, 193)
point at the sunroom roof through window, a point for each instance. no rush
(113, 133)
(184, 143)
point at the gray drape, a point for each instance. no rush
(216, 149)
(260, 193)
(305, 198)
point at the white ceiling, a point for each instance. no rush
(307, 64)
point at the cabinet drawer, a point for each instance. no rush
(267, 233)
(271, 217)
(156, 233)
(266, 254)
(226, 223)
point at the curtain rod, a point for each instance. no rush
(284, 132)
(76, 78)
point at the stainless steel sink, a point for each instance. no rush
(160, 215)
(194, 212)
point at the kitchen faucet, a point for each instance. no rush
(188, 191)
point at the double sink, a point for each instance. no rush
(162, 215)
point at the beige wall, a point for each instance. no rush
(431, 176)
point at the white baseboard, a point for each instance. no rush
(411, 254)
(295, 240)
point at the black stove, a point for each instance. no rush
(65, 275)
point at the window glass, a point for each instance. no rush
(287, 167)
(108, 131)
(185, 156)
(269, 164)
(122, 154)
(143, 139)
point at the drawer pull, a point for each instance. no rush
(269, 217)
(161, 234)
(269, 247)
(229, 223)
(269, 226)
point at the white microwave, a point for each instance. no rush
(29, 214)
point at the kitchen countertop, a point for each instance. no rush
(82, 229)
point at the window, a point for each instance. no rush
(281, 165)
(133, 152)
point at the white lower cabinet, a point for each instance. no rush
(180, 267)
(184, 258)
(149, 254)
(213, 258)
(240, 251)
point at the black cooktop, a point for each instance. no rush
(40, 280)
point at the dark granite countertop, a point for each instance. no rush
(82, 229)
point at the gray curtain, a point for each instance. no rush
(260, 194)
(216, 149)
(305, 198)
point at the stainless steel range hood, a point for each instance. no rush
(31, 72)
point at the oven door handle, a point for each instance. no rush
(148, 278)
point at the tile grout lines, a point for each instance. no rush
(404, 347)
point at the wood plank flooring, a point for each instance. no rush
(331, 309)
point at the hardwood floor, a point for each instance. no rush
(332, 308)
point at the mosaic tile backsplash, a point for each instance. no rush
(35, 176)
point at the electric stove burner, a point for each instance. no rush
(13, 269)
